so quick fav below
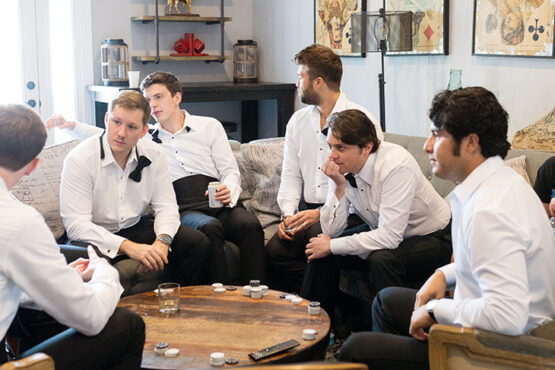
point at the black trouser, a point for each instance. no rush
(408, 265)
(389, 345)
(218, 224)
(288, 259)
(190, 251)
(239, 226)
(118, 346)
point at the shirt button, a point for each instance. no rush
(182, 164)
(122, 218)
(176, 152)
(318, 167)
(173, 137)
(361, 189)
(318, 186)
(108, 250)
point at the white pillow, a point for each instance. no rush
(41, 189)
(519, 165)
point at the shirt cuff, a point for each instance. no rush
(450, 276)
(338, 246)
(111, 245)
(444, 311)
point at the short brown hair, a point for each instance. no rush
(164, 78)
(353, 127)
(321, 61)
(131, 100)
(22, 134)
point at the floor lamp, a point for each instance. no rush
(381, 32)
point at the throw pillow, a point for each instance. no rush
(519, 165)
(41, 189)
(263, 160)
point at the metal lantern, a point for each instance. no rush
(244, 61)
(114, 62)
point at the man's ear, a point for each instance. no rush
(145, 130)
(31, 166)
(473, 143)
(177, 97)
(106, 119)
(367, 149)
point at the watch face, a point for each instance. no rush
(165, 239)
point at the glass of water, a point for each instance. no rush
(168, 297)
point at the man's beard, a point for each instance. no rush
(310, 97)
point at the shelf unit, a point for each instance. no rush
(156, 19)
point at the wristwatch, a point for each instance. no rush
(430, 308)
(164, 238)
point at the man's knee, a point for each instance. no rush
(213, 229)
(358, 347)
(194, 241)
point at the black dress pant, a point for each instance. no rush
(239, 226)
(409, 265)
(118, 346)
(389, 345)
(190, 253)
(288, 260)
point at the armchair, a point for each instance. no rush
(38, 361)
(452, 347)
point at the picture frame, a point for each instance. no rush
(515, 28)
(430, 25)
(332, 24)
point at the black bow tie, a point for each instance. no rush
(136, 174)
(325, 131)
(155, 137)
(351, 178)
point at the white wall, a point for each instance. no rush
(524, 86)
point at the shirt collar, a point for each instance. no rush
(464, 190)
(187, 120)
(109, 157)
(340, 106)
(3, 185)
(367, 171)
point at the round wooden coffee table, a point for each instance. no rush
(230, 323)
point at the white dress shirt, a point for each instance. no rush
(31, 264)
(392, 196)
(504, 251)
(304, 154)
(203, 149)
(97, 198)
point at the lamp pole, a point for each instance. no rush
(381, 76)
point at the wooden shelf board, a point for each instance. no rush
(178, 18)
(167, 58)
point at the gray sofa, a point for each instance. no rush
(260, 165)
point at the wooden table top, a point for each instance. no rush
(230, 323)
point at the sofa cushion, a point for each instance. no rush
(519, 165)
(261, 168)
(41, 189)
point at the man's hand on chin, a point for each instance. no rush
(319, 247)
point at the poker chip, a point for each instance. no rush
(297, 300)
(231, 361)
(160, 348)
(231, 288)
(217, 285)
(309, 334)
(217, 358)
(247, 290)
(172, 352)
(219, 290)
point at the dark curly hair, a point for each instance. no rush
(470, 110)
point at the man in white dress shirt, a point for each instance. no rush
(108, 181)
(503, 244)
(198, 152)
(318, 84)
(33, 273)
(408, 220)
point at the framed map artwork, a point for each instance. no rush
(522, 28)
(332, 24)
(430, 25)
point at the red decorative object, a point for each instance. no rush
(188, 46)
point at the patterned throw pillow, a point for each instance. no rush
(262, 170)
(519, 165)
(41, 189)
